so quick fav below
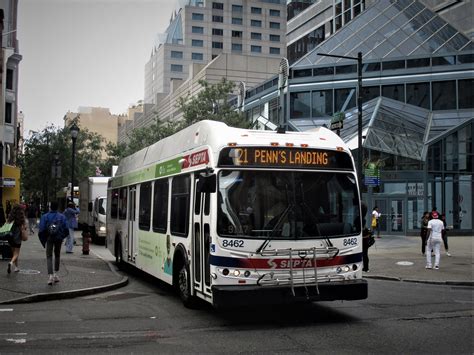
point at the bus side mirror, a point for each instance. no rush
(89, 207)
(207, 183)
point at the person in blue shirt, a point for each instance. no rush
(53, 241)
(71, 213)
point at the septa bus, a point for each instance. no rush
(235, 216)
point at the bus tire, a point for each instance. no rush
(184, 287)
(118, 252)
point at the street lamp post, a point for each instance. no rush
(74, 132)
(56, 172)
(360, 156)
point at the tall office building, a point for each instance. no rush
(201, 30)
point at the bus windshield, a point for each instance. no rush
(287, 204)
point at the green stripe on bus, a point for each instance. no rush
(159, 170)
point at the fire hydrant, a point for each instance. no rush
(86, 241)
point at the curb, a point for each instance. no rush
(40, 297)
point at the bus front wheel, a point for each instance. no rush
(184, 287)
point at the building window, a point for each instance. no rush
(217, 32)
(300, 104)
(255, 23)
(176, 68)
(395, 92)
(236, 20)
(322, 103)
(8, 112)
(446, 60)
(9, 83)
(393, 65)
(256, 49)
(237, 34)
(346, 69)
(274, 38)
(218, 5)
(197, 56)
(344, 99)
(198, 29)
(180, 188)
(237, 8)
(275, 13)
(418, 94)
(197, 43)
(418, 63)
(274, 50)
(256, 10)
(144, 213)
(176, 55)
(217, 45)
(275, 25)
(236, 47)
(256, 35)
(444, 95)
(466, 93)
(370, 92)
(216, 18)
(299, 48)
(160, 206)
(197, 16)
(323, 71)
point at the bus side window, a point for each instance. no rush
(160, 206)
(114, 204)
(123, 203)
(180, 190)
(144, 214)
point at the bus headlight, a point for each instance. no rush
(102, 228)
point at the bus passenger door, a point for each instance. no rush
(132, 221)
(201, 241)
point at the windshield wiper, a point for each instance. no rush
(274, 229)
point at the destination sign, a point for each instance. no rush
(284, 157)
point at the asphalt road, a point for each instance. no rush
(147, 317)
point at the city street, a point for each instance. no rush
(146, 316)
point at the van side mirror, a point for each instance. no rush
(89, 207)
(207, 183)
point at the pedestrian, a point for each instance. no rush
(434, 209)
(434, 235)
(32, 215)
(444, 234)
(71, 213)
(365, 238)
(375, 221)
(18, 233)
(54, 229)
(424, 230)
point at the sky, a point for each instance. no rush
(84, 53)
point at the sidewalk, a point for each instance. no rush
(79, 274)
(395, 258)
(399, 258)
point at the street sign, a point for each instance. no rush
(336, 125)
(337, 121)
(372, 175)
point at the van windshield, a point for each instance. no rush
(287, 204)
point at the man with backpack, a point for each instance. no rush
(53, 230)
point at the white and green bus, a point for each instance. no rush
(236, 216)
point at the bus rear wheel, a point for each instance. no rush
(184, 288)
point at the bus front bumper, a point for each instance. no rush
(231, 296)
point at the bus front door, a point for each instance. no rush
(132, 221)
(201, 242)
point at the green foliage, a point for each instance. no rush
(37, 161)
(211, 103)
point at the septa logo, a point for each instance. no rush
(196, 159)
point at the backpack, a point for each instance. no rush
(54, 229)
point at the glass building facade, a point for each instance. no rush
(418, 109)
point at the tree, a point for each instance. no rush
(38, 160)
(211, 103)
